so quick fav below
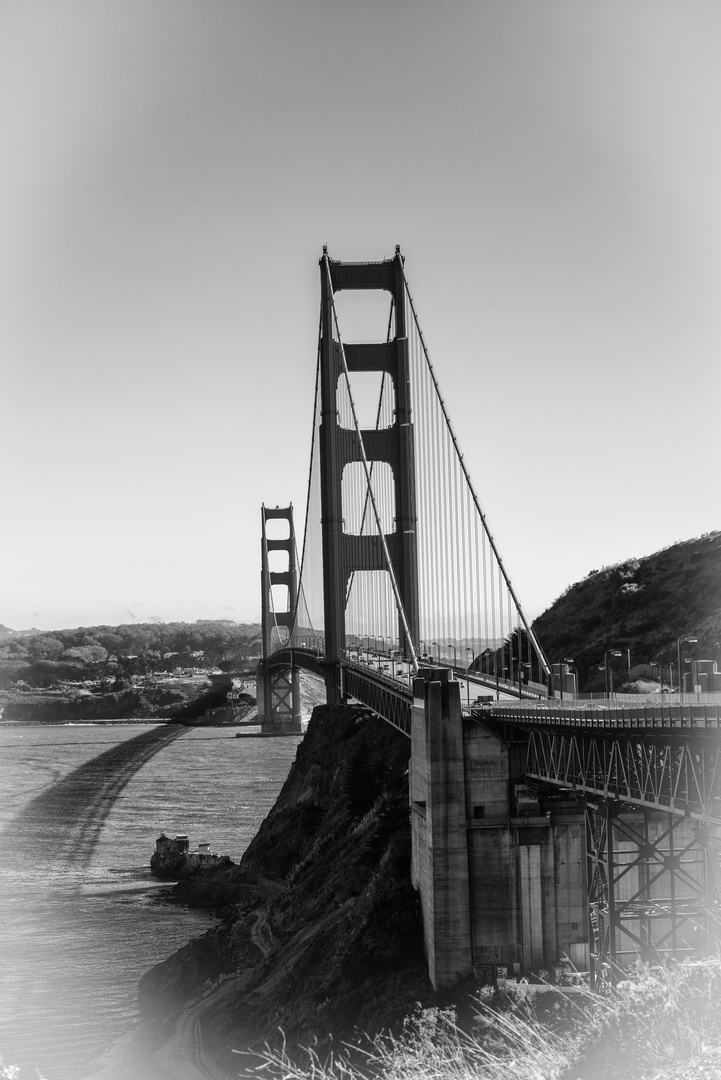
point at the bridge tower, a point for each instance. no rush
(345, 553)
(278, 690)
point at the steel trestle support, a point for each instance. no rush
(657, 770)
(648, 889)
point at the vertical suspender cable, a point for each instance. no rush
(479, 509)
(310, 481)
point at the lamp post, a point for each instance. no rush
(450, 645)
(564, 660)
(683, 640)
(469, 668)
(607, 670)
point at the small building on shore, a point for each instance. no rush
(173, 858)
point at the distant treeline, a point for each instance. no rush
(115, 653)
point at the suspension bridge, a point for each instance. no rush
(541, 827)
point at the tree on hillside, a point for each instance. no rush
(45, 647)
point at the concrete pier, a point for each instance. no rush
(501, 877)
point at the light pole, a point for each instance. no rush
(450, 645)
(469, 668)
(607, 670)
(683, 640)
(564, 660)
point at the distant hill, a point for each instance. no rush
(642, 604)
(7, 632)
(48, 658)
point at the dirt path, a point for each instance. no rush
(182, 1056)
(261, 934)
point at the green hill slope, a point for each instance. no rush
(642, 604)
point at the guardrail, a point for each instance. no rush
(686, 717)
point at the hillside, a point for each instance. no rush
(45, 659)
(642, 604)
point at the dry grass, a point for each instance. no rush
(664, 1024)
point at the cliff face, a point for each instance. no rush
(330, 940)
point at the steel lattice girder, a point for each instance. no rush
(281, 689)
(679, 773)
(648, 877)
(389, 700)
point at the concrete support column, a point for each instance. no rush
(531, 906)
(438, 811)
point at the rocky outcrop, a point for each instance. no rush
(169, 985)
(324, 923)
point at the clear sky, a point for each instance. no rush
(169, 172)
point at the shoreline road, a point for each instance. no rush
(182, 1056)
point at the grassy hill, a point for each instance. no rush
(642, 604)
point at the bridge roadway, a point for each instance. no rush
(663, 757)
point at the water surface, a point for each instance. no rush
(81, 917)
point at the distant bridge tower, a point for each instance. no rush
(278, 689)
(345, 553)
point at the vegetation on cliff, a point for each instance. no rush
(662, 1025)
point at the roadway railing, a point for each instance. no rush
(666, 698)
(691, 716)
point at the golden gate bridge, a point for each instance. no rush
(400, 599)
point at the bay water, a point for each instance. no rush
(81, 917)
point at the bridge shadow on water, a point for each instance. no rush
(61, 826)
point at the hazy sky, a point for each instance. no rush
(170, 170)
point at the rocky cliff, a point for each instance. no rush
(319, 920)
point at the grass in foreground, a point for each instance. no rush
(664, 1024)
